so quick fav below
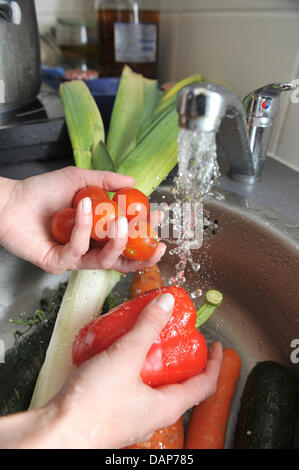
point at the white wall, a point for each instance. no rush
(244, 43)
(49, 10)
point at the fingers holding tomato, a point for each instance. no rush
(104, 212)
(128, 202)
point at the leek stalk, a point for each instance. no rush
(212, 301)
(82, 302)
(126, 115)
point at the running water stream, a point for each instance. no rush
(197, 173)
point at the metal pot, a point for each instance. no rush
(20, 76)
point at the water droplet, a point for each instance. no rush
(197, 293)
(195, 267)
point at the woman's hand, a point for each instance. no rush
(105, 404)
(26, 210)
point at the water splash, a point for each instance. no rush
(198, 166)
(198, 172)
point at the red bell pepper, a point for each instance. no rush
(179, 353)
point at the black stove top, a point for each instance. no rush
(36, 132)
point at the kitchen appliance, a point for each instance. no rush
(36, 131)
(20, 76)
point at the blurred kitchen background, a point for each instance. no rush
(244, 43)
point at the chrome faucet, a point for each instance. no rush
(244, 129)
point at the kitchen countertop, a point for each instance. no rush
(32, 168)
(277, 190)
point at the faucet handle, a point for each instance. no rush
(283, 86)
(261, 108)
(262, 105)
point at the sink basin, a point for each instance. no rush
(253, 259)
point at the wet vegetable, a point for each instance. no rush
(267, 416)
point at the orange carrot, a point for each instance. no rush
(171, 437)
(143, 281)
(208, 421)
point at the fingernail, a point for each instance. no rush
(163, 249)
(86, 205)
(122, 227)
(166, 301)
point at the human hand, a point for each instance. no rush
(105, 404)
(30, 206)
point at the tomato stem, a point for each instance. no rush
(212, 301)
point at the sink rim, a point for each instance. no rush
(276, 223)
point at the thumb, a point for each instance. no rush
(149, 325)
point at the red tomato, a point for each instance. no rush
(95, 193)
(133, 203)
(103, 212)
(62, 225)
(142, 242)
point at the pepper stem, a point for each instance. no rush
(212, 301)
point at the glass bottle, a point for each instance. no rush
(128, 34)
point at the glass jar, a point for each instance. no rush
(128, 33)
(78, 42)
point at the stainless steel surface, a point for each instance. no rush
(244, 137)
(253, 259)
(201, 107)
(19, 54)
(22, 286)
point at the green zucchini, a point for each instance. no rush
(19, 372)
(267, 416)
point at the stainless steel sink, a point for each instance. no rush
(253, 259)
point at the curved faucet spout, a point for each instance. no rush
(244, 134)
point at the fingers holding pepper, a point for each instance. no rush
(191, 392)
